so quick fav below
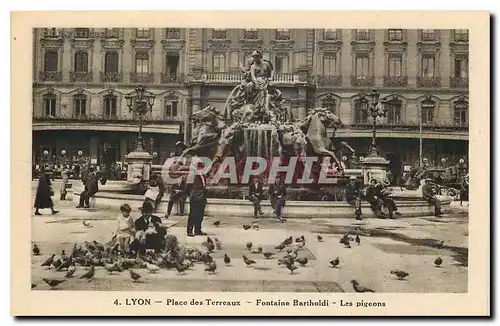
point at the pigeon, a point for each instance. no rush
(227, 260)
(71, 271)
(335, 262)
(400, 274)
(218, 244)
(210, 247)
(152, 268)
(209, 240)
(98, 246)
(288, 241)
(247, 261)
(90, 274)
(217, 223)
(268, 254)
(65, 265)
(359, 288)
(56, 263)
(180, 267)
(112, 268)
(211, 268)
(36, 250)
(301, 239)
(438, 261)
(357, 239)
(257, 251)
(49, 261)
(320, 238)
(53, 282)
(249, 245)
(135, 276)
(255, 227)
(302, 261)
(345, 242)
(87, 224)
(291, 267)
(246, 227)
(280, 247)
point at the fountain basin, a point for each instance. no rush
(409, 204)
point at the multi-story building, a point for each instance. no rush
(81, 77)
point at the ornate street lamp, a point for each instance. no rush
(140, 102)
(374, 109)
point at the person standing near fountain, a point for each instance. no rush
(44, 193)
(256, 193)
(197, 201)
(353, 196)
(429, 196)
(277, 193)
(177, 195)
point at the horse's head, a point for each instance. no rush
(208, 113)
(328, 118)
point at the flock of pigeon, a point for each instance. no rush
(94, 254)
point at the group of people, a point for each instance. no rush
(277, 194)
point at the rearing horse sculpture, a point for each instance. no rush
(314, 126)
(210, 129)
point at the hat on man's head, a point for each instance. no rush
(256, 54)
(147, 207)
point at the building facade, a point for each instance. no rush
(81, 76)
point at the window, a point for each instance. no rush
(142, 33)
(111, 62)
(219, 63)
(142, 62)
(79, 105)
(360, 114)
(362, 34)
(112, 33)
(251, 34)
(171, 109)
(82, 33)
(330, 34)
(282, 34)
(51, 32)
(461, 113)
(172, 64)
(110, 106)
(428, 35)
(427, 111)
(395, 66)
(329, 104)
(173, 33)
(393, 111)
(395, 35)
(219, 33)
(49, 106)
(81, 61)
(428, 66)
(50, 61)
(329, 65)
(362, 65)
(461, 35)
(281, 64)
(461, 67)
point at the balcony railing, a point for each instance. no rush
(331, 35)
(286, 78)
(395, 81)
(461, 37)
(362, 80)
(251, 35)
(428, 37)
(459, 82)
(51, 33)
(429, 82)
(143, 78)
(223, 77)
(173, 34)
(172, 78)
(104, 118)
(362, 36)
(82, 76)
(50, 76)
(110, 77)
(410, 126)
(329, 80)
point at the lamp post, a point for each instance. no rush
(374, 110)
(140, 102)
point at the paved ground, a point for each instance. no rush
(405, 244)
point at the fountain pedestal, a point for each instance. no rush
(374, 167)
(139, 166)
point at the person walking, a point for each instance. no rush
(43, 196)
(197, 202)
(256, 194)
(464, 189)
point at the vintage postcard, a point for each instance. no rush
(250, 163)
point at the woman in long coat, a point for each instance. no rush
(43, 195)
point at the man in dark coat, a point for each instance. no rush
(256, 194)
(177, 195)
(43, 196)
(150, 232)
(429, 196)
(277, 193)
(373, 192)
(197, 201)
(464, 189)
(91, 188)
(353, 196)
